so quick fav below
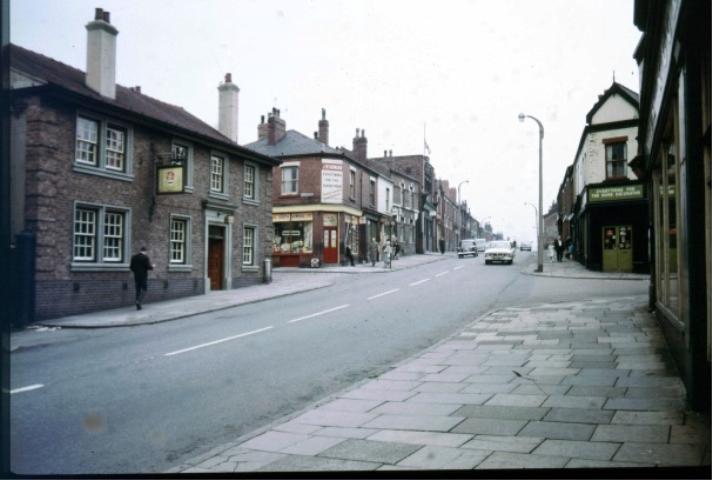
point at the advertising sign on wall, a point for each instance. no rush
(170, 179)
(611, 194)
(332, 181)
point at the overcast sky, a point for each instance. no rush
(464, 69)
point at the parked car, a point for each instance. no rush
(499, 251)
(481, 244)
(525, 246)
(467, 247)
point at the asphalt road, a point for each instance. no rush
(141, 399)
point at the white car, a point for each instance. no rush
(499, 251)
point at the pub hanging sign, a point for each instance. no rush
(170, 179)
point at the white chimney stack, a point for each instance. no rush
(227, 108)
(101, 54)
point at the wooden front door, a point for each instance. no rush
(618, 248)
(331, 245)
(216, 256)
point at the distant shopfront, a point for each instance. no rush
(612, 233)
(312, 236)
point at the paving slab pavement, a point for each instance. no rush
(517, 419)
(573, 269)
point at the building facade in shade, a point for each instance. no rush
(674, 153)
(610, 223)
(419, 169)
(325, 200)
(565, 203)
(89, 160)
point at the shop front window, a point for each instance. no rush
(292, 237)
(670, 166)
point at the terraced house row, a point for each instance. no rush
(99, 170)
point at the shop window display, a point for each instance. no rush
(293, 237)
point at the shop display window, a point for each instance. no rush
(292, 237)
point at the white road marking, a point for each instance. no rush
(323, 312)
(442, 273)
(458, 268)
(384, 293)
(419, 282)
(27, 388)
(226, 339)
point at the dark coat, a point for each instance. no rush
(140, 265)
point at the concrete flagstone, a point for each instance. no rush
(593, 389)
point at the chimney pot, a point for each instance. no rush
(106, 16)
(262, 119)
(385, 153)
(98, 14)
(390, 153)
(316, 135)
(357, 130)
(363, 133)
(228, 78)
(323, 114)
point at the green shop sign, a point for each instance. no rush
(612, 194)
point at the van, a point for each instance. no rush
(481, 244)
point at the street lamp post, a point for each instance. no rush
(540, 231)
(459, 211)
(536, 217)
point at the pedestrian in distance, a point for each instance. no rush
(373, 251)
(140, 265)
(396, 248)
(559, 246)
(387, 255)
(350, 255)
(442, 247)
(570, 249)
(551, 252)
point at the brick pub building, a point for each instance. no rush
(85, 154)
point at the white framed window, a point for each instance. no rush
(113, 236)
(87, 139)
(85, 222)
(101, 237)
(290, 180)
(115, 148)
(616, 159)
(103, 147)
(388, 200)
(217, 174)
(352, 184)
(250, 183)
(248, 246)
(179, 236)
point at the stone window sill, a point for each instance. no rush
(98, 267)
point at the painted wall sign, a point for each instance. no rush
(612, 194)
(280, 217)
(302, 217)
(170, 179)
(332, 182)
(329, 220)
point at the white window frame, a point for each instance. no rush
(253, 199)
(294, 181)
(188, 164)
(353, 178)
(252, 265)
(100, 166)
(224, 193)
(99, 261)
(187, 264)
(372, 186)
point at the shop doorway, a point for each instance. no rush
(331, 245)
(618, 248)
(216, 256)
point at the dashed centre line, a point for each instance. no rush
(323, 312)
(226, 339)
(419, 282)
(458, 268)
(388, 292)
(442, 273)
(27, 388)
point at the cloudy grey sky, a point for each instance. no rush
(463, 68)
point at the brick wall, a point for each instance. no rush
(53, 186)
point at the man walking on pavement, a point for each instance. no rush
(373, 251)
(140, 265)
(559, 246)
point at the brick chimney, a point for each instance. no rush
(228, 96)
(101, 54)
(274, 129)
(360, 145)
(324, 128)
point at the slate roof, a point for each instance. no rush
(292, 144)
(69, 78)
